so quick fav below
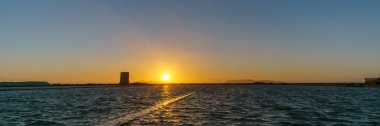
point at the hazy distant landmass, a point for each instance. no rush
(251, 81)
(26, 83)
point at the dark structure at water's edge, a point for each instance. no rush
(372, 80)
(124, 78)
(24, 84)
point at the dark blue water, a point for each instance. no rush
(190, 105)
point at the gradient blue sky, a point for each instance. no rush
(79, 41)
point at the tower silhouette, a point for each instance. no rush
(124, 78)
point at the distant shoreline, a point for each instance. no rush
(45, 84)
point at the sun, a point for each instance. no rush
(165, 77)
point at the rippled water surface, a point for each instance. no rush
(190, 105)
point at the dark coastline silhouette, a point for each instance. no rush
(124, 80)
(26, 83)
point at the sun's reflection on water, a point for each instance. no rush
(166, 115)
(165, 92)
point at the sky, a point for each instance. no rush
(92, 41)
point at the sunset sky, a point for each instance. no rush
(92, 41)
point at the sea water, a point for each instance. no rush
(189, 105)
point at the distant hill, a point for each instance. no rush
(251, 81)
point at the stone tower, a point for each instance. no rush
(124, 78)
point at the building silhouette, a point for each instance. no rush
(372, 80)
(124, 78)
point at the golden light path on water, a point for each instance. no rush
(130, 117)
